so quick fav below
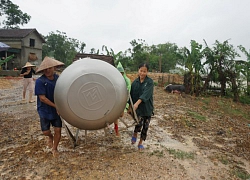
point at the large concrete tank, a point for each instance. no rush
(90, 93)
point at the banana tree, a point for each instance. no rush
(246, 68)
(192, 62)
(112, 53)
(225, 66)
(6, 59)
(210, 63)
(82, 46)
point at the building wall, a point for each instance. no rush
(23, 45)
(26, 49)
(33, 35)
(14, 43)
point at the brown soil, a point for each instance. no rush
(188, 138)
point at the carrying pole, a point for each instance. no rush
(134, 115)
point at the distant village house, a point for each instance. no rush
(25, 44)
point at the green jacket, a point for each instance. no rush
(128, 84)
(143, 91)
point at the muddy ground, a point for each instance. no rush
(188, 138)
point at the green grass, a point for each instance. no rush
(204, 107)
(232, 111)
(157, 153)
(206, 101)
(189, 124)
(224, 160)
(245, 99)
(240, 173)
(178, 154)
(181, 154)
(195, 115)
(155, 83)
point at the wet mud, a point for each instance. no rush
(178, 145)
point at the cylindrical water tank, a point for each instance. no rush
(90, 93)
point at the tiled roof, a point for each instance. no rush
(17, 33)
(108, 59)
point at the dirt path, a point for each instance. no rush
(179, 145)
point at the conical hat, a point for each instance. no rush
(119, 67)
(48, 63)
(28, 64)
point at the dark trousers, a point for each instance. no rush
(143, 126)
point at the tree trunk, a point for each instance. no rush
(236, 97)
(187, 80)
(223, 88)
(248, 79)
(160, 60)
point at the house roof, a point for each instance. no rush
(18, 33)
(106, 58)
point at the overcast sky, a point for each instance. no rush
(115, 23)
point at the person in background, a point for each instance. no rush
(142, 96)
(28, 83)
(128, 84)
(44, 89)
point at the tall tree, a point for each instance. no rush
(61, 47)
(165, 56)
(139, 53)
(13, 15)
(125, 59)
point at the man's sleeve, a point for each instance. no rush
(39, 88)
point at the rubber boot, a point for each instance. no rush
(116, 130)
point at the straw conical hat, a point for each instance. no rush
(28, 64)
(120, 67)
(48, 63)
